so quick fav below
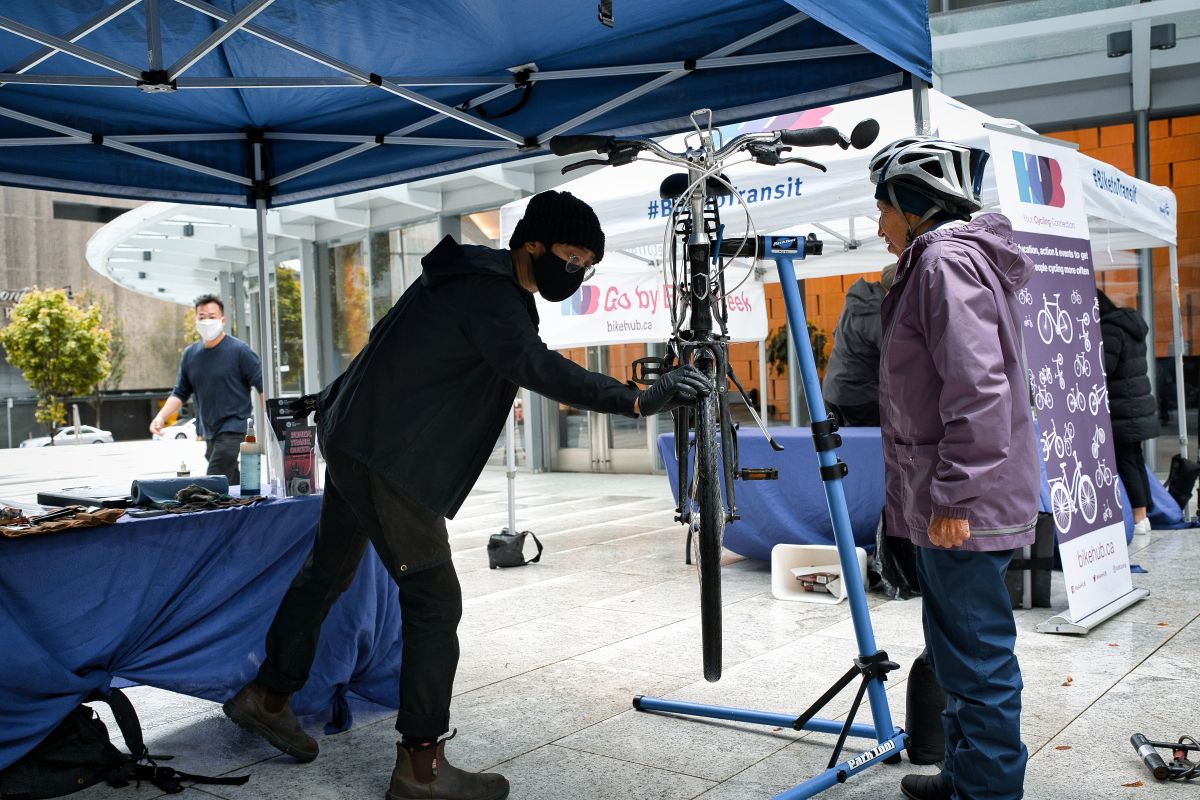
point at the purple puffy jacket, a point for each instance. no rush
(958, 436)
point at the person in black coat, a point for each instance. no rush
(1131, 405)
(851, 384)
(406, 431)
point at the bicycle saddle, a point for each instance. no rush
(674, 185)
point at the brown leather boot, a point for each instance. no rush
(448, 783)
(281, 728)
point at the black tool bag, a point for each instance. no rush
(923, 708)
(508, 549)
(77, 754)
(1039, 564)
(893, 567)
(1181, 480)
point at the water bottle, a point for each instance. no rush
(250, 462)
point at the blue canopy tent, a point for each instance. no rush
(260, 103)
(269, 102)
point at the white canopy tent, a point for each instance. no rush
(1124, 213)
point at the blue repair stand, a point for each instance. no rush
(871, 666)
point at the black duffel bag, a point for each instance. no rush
(78, 754)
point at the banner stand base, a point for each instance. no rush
(1061, 623)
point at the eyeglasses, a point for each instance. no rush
(575, 263)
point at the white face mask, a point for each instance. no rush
(209, 329)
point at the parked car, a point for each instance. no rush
(66, 435)
(179, 429)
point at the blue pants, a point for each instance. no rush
(970, 634)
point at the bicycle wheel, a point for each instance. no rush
(1060, 506)
(1045, 326)
(709, 508)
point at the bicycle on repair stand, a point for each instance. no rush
(696, 255)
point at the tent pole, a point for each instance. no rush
(920, 93)
(511, 468)
(762, 380)
(1177, 330)
(266, 330)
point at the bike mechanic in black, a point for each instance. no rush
(406, 431)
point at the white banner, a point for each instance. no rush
(627, 302)
(1041, 192)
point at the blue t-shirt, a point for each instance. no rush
(221, 378)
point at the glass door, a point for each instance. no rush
(587, 441)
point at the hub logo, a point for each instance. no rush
(583, 302)
(1039, 180)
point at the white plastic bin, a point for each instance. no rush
(784, 557)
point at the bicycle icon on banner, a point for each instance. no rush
(1099, 392)
(1054, 322)
(1069, 495)
(1076, 400)
(1057, 361)
(1083, 367)
(1097, 439)
(1061, 444)
(1025, 297)
(1085, 333)
(1104, 474)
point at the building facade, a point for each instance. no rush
(43, 239)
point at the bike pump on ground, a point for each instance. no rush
(872, 665)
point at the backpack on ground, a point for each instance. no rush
(78, 754)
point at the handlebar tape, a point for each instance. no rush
(569, 145)
(812, 137)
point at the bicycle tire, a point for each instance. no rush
(711, 511)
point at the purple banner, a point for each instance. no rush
(1065, 359)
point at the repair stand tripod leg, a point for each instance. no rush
(872, 665)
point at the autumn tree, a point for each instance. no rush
(61, 349)
(117, 348)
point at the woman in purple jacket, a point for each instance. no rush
(958, 443)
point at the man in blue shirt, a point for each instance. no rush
(219, 370)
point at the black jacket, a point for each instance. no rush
(852, 374)
(1131, 406)
(425, 401)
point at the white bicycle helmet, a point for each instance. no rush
(948, 173)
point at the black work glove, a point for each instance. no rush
(673, 389)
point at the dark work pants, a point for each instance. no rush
(1131, 467)
(221, 452)
(969, 636)
(860, 416)
(359, 507)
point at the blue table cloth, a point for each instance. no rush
(181, 602)
(793, 509)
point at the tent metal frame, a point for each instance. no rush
(260, 185)
(157, 79)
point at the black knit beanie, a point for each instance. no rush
(559, 217)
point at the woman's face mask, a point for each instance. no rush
(209, 329)
(554, 282)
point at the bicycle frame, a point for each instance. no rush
(699, 344)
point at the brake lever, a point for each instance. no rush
(804, 161)
(587, 162)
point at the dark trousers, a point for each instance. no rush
(1131, 466)
(359, 507)
(860, 416)
(221, 451)
(969, 636)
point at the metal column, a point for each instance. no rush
(266, 330)
(1141, 155)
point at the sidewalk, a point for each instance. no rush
(553, 653)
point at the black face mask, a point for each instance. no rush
(553, 281)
